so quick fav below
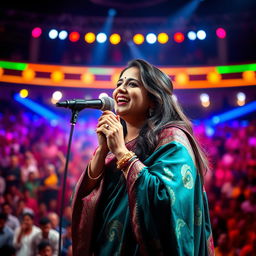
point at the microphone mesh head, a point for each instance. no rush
(108, 103)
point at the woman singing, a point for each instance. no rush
(142, 192)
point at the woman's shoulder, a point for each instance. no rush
(172, 133)
(175, 134)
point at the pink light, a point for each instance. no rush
(36, 32)
(221, 33)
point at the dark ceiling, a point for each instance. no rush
(131, 8)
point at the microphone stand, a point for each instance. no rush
(72, 122)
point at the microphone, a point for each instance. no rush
(104, 103)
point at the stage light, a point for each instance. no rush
(213, 77)
(1, 71)
(89, 37)
(162, 38)
(205, 100)
(249, 75)
(151, 38)
(112, 12)
(28, 74)
(191, 35)
(179, 37)
(201, 35)
(138, 39)
(103, 94)
(53, 34)
(36, 32)
(57, 95)
(87, 78)
(63, 34)
(101, 38)
(221, 33)
(24, 93)
(37, 108)
(57, 76)
(115, 38)
(241, 96)
(232, 114)
(182, 78)
(74, 36)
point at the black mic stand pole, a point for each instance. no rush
(72, 122)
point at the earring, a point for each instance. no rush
(150, 112)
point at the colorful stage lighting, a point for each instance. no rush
(112, 12)
(138, 39)
(182, 78)
(28, 74)
(205, 100)
(101, 38)
(89, 37)
(249, 75)
(53, 34)
(241, 97)
(191, 35)
(151, 38)
(201, 35)
(221, 33)
(162, 38)
(57, 95)
(63, 34)
(87, 78)
(179, 37)
(213, 77)
(36, 32)
(57, 76)
(115, 39)
(103, 94)
(74, 36)
(24, 93)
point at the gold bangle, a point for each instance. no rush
(124, 159)
(88, 173)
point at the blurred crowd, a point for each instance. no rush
(32, 160)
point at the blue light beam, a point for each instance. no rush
(232, 114)
(39, 109)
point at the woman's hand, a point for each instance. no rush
(110, 128)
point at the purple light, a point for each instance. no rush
(36, 32)
(221, 33)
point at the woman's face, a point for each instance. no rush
(131, 98)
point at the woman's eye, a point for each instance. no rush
(133, 84)
(118, 84)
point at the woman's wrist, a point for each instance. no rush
(120, 153)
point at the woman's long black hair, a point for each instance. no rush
(166, 111)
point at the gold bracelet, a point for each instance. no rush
(124, 159)
(88, 173)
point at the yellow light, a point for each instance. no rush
(24, 93)
(53, 101)
(162, 38)
(87, 78)
(240, 102)
(205, 104)
(115, 78)
(115, 39)
(138, 39)
(28, 74)
(57, 76)
(89, 37)
(1, 71)
(213, 77)
(249, 76)
(182, 78)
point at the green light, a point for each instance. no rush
(13, 65)
(101, 71)
(236, 68)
